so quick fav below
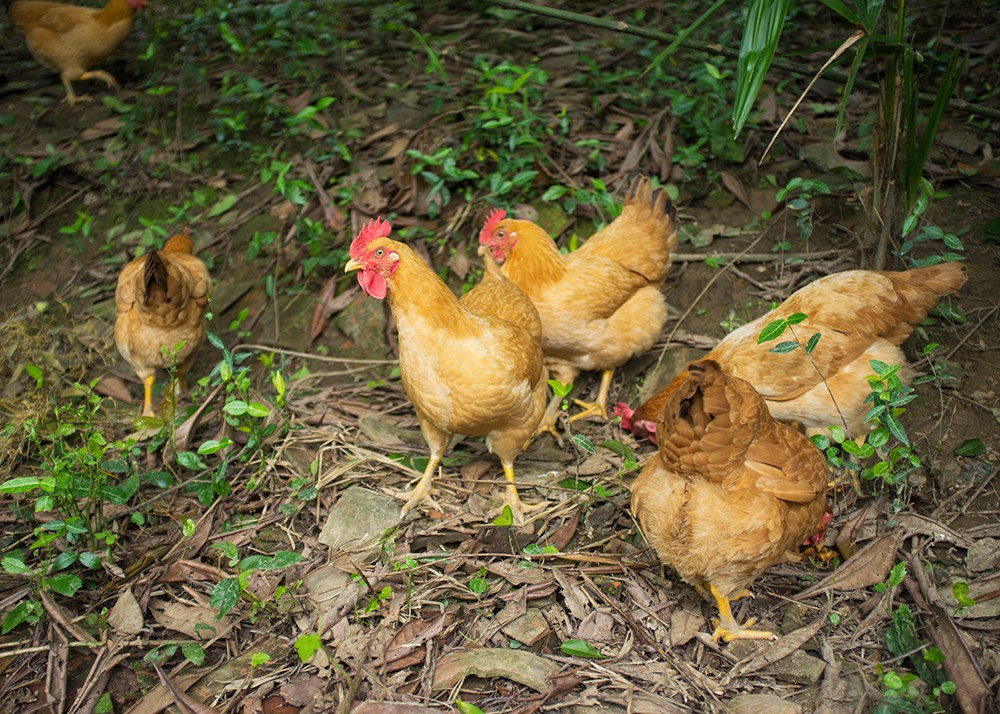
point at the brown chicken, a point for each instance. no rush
(472, 366)
(600, 304)
(730, 491)
(69, 39)
(161, 300)
(861, 315)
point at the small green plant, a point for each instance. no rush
(562, 391)
(918, 691)
(228, 591)
(478, 583)
(799, 195)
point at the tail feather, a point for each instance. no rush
(154, 276)
(920, 289)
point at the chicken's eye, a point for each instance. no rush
(380, 252)
(500, 233)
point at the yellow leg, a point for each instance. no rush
(549, 420)
(147, 402)
(600, 406)
(517, 507)
(727, 628)
(420, 492)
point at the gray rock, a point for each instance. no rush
(358, 519)
(762, 704)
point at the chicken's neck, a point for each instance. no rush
(535, 259)
(417, 296)
(115, 11)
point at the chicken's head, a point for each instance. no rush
(136, 4)
(497, 236)
(373, 255)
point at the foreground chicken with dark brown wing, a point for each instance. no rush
(161, 300)
(600, 304)
(471, 366)
(860, 315)
(69, 39)
(730, 491)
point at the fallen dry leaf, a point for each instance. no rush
(185, 703)
(198, 623)
(126, 615)
(780, 649)
(869, 565)
(516, 665)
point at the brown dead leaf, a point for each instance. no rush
(126, 615)
(185, 704)
(114, 387)
(869, 565)
(329, 303)
(55, 673)
(516, 665)
(848, 534)
(684, 625)
(780, 649)
(564, 534)
(303, 690)
(406, 647)
(105, 127)
(735, 186)
(459, 262)
(198, 623)
(370, 707)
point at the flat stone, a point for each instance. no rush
(529, 628)
(762, 704)
(983, 555)
(358, 519)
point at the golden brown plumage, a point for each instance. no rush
(730, 491)
(861, 315)
(161, 300)
(602, 303)
(472, 366)
(69, 39)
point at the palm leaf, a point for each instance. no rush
(764, 22)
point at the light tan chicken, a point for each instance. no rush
(730, 491)
(161, 300)
(69, 39)
(860, 315)
(471, 366)
(600, 304)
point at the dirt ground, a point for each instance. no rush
(445, 605)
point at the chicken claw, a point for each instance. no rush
(726, 627)
(599, 405)
(518, 508)
(421, 492)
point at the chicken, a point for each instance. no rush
(69, 39)
(472, 366)
(730, 491)
(860, 315)
(600, 304)
(161, 300)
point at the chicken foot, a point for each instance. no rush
(422, 491)
(727, 628)
(72, 97)
(147, 400)
(598, 406)
(513, 500)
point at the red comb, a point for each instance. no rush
(490, 225)
(375, 228)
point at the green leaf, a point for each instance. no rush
(193, 653)
(580, 648)
(506, 517)
(584, 444)
(960, 589)
(225, 595)
(20, 484)
(784, 347)
(223, 205)
(971, 447)
(618, 448)
(13, 563)
(257, 410)
(17, 615)
(467, 708)
(761, 32)
(796, 318)
(65, 584)
(190, 460)
(236, 407)
(772, 331)
(895, 427)
(104, 704)
(258, 659)
(35, 373)
(307, 646)
(897, 574)
(813, 342)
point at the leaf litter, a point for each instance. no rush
(413, 615)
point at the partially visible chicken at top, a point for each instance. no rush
(471, 366)
(69, 39)
(861, 315)
(730, 491)
(600, 304)
(161, 299)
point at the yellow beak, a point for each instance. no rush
(353, 264)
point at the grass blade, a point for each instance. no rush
(764, 22)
